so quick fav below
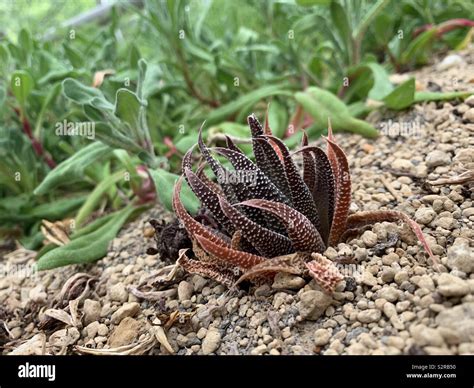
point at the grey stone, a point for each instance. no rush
(127, 310)
(118, 293)
(211, 342)
(312, 304)
(368, 316)
(449, 285)
(424, 215)
(185, 291)
(369, 238)
(287, 281)
(461, 256)
(424, 335)
(437, 158)
(321, 337)
(92, 309)
(460, 319)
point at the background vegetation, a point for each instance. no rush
(148, 74)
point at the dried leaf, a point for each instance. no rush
(153, 295)
(60, 315)
(137, 348)
(35, 346)
(160, 335)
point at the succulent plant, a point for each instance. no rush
(265, 217)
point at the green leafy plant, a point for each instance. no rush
(153, 72)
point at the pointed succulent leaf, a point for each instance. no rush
(261, 186)
(300, 194)
(231, 145)
(330, 152)
(255, 127)
(212, 185)
(304, 139)
(256, 130)
(264, 156)
(270, 267)
(342, 193)
(187, 160)
(273, 167)
(265, 241)
(218, 170)
(302, 233)
(208, 198)
(242, 260)
(309, 165)
(206, 269)
(323, 191)
(364, 218)
(192, 226)
(253, 184)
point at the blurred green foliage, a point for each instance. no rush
(147, 74)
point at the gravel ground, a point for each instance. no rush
(391, 302)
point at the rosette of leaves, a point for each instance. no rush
(277, 221)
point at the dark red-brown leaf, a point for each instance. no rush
(242, 260)
(323, 192)
(267, 242)
(300, 194)
(342, 200)
(209, 199)
(302, 233)
(192, 226)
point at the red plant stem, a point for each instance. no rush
(453, 24)
(421, 29)
(169, 143)
(307, 120)
(37, 146)
(445, 27)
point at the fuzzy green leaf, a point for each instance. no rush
(278, 118)
(310, 3)
(402, 96)
(341, 22)
(164, 183)
(21, 85)
(96, 195)
(57, 209)
(79, 93)
(72, 169)
(440, 96)
(222, 113)
(87, 248)
(382, 85)
(416, 52)
(127, 108)
(321, 105)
